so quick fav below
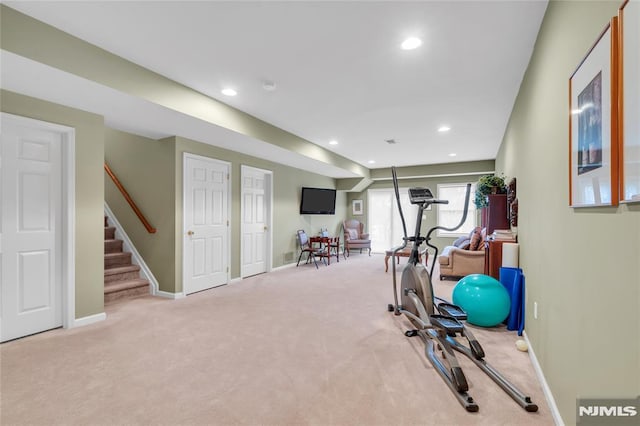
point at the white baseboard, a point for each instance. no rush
(557, 418)
(80, 322)
(288, 265)
(168, 295)
(235, 280)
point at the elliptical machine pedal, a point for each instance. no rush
(448, 324)
(452, 310)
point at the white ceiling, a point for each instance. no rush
(337, 65)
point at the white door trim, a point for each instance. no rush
(185, 156)
(68, 210)
(269, 189)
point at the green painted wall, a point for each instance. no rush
(582, 265)
(89, 195)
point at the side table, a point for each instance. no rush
(493, 257)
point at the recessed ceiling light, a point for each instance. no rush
(453, 154)
(411, 43)
(334, 142)
(443, 129)
(371, 161)
(229, 92)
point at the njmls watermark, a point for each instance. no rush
(608, 412)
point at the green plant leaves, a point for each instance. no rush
(488, 184)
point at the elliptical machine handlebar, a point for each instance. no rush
(404, 224)
(444, 228)
(405, 240)
(464, 214)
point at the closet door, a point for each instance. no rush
(31, 228)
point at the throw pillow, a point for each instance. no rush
(483, 237)
(460, 241)
(476, 240)
(353, 234)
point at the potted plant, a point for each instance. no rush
(488, 184)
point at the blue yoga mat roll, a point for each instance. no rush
(513, 281)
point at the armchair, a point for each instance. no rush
(354, 236)
(466, 256)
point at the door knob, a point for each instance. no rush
(190, 233)
(265, 228)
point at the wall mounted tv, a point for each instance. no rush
(318, 201)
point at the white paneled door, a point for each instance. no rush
(31, 228)
(256, 213)
(206, 223)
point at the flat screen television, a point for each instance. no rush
(318, 201)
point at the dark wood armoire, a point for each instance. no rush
(496, 215)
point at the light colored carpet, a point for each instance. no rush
(298, 346)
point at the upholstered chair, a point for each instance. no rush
(355, 237)
(465, 257)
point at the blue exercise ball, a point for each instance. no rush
(484, 299)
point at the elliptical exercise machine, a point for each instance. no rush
(439, 330)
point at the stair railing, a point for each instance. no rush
(127, 197)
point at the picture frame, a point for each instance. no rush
(629, 140)
(357, 207)
(593, 124)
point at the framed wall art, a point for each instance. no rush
(593, 124)
(357, 208)
(629, 89)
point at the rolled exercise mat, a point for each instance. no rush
(513, 281)
(510, 255)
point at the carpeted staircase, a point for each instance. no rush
(121, 277)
